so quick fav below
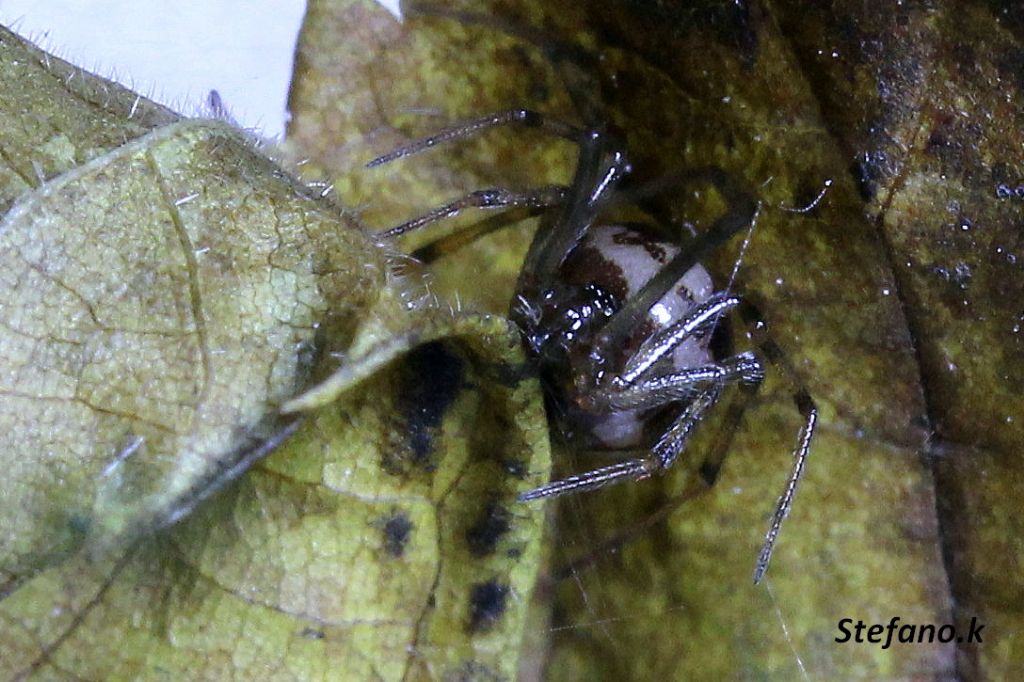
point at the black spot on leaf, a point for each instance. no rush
(487, 604)
(474, 671)
(430, 381)
(491, 525)
(396, 529)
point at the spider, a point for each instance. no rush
(620, 324)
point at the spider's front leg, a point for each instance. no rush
(701, 387)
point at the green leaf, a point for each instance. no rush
(165, 292)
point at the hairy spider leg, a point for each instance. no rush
(496, 197)
(532, 199)
(808, 410)
(705, 388)
(520, 117)
(708, 469)
(650, 387)
(455, 241)
(638, 468)
(600, 166)
(711, 467)
(682, 384)
(575, 66)
(661, 344)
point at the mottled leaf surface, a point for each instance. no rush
(896, 298)
(924, 100)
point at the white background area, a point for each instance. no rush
(176, 52)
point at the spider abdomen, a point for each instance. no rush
(621, 260)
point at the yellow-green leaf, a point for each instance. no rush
(160, 301)
(164, 294)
